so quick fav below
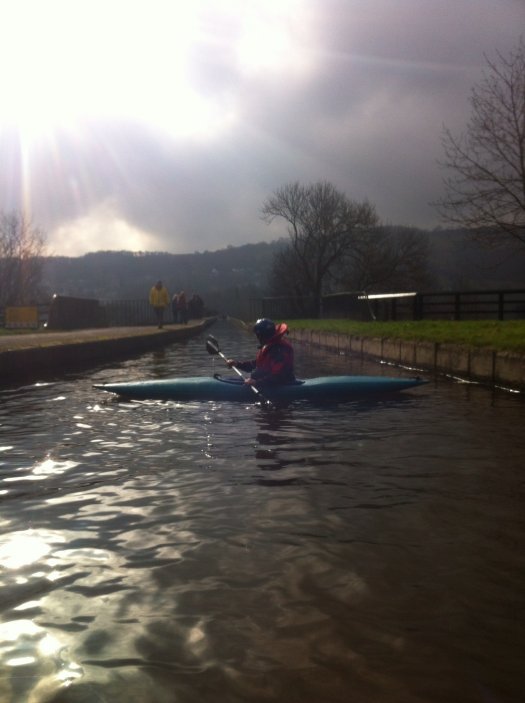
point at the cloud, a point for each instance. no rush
(103, 228)
(173, 142)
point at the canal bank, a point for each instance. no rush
(29, 357)
(483, 365)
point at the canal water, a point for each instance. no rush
(164, 552)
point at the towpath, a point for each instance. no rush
(27, 356)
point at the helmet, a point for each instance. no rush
(264, 329)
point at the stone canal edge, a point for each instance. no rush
(31, 357)
(482, 365)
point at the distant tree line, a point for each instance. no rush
(243, 271)
(452, 258)
(384, 259)
(335, 243)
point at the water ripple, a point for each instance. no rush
(212, 551)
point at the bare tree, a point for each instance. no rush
(387, 259)
(286, 279)
(322, 227)
(485, 190)
(21, 251)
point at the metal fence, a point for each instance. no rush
(444, 305)
(455, 305)
(130, 313)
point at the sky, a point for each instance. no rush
(163, 125)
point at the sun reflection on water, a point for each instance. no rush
(23, 548)
(51, 466)
(23, 643)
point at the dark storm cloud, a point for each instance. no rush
(388, 76)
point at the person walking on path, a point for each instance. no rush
(274, 363)
(180, 308)
(159, 299)
(196, 307)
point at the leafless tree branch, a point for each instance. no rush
(323, 224)
(21, 252)
(485, 183)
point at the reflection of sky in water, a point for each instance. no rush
(41, 470)
(88, 588)
(31, 650)
(21, 549)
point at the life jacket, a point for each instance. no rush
(274, 362)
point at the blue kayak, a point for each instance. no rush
(321, 389)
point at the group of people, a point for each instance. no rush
(182, 309)
(179, 308)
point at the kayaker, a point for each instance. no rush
(274, 363)
(159, 299)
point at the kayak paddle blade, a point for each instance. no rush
(212, 345)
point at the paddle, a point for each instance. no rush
(212, 347)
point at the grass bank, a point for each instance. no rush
(500, 336)
(10, 332)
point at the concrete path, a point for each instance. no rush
(28, 356)
(30, 340)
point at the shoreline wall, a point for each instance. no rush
(495, 368)
(51, 354)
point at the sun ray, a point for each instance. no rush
(81, 81)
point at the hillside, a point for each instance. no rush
(458, 263)
(455, 262)
(129, 275)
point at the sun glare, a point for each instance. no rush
(270, 37)
(22, 548)
(70, 70)
(63, 61)
(117, 60)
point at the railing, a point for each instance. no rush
(131, 313)
(459, 305)
(445, 305)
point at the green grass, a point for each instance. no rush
(7, 332)
(502, 336)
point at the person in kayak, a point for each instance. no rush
(274, 363)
